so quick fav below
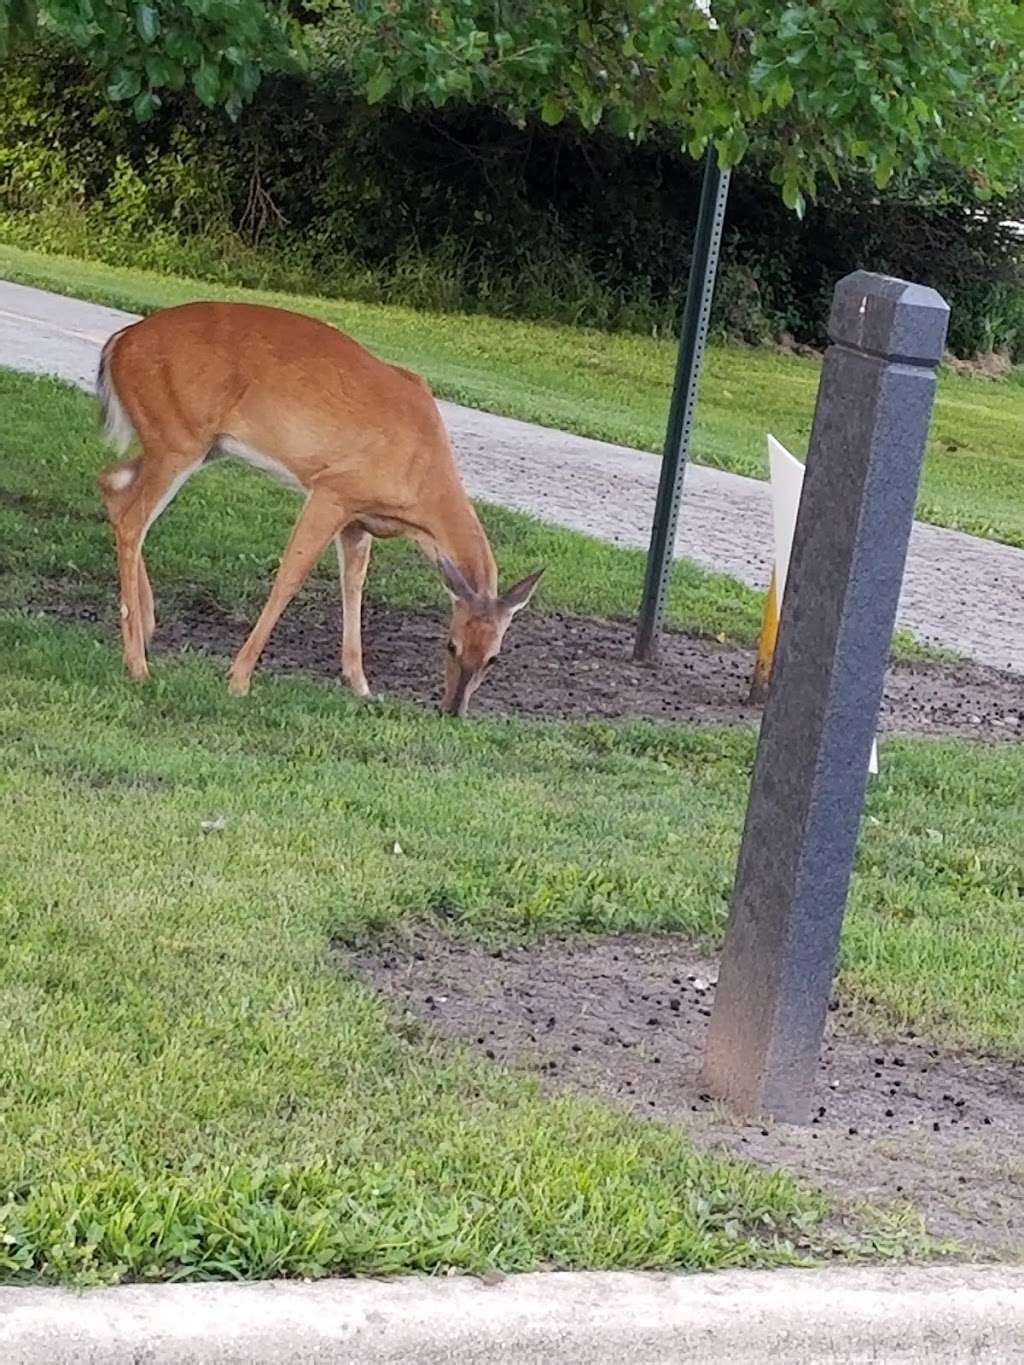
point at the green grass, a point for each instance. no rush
(192, 1085)
(617, 386)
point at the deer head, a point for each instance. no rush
(478, 627)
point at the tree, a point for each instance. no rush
(221, 48)
(813, 86)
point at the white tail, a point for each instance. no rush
(115, 422)
(361, 439)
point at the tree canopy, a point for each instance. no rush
(812, 87)
(221, 48)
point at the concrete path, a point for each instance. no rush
(928, 1315)
(959, 592)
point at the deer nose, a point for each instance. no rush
(456, 704)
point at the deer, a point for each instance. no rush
(363, 441)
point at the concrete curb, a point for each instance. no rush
(891, 1314)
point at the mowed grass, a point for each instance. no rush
(192, 1083)
(616, 387)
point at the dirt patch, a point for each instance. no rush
(787, 344)
(895, 1120)
(575, 668)
(985, 365)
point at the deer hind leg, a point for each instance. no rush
(147, 610)
(353, 546)
(319, 520)
(135, 493)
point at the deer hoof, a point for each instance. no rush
(360, 687)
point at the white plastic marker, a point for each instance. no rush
(787, 480)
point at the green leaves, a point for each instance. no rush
(856, 85)
(125, 85)
(552, 110)
(378, 85)
(17, 21)
(206, 81)
(793, 197)
(222, 47)
(148, 23)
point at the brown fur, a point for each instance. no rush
(363, 439)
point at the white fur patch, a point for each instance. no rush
(117, 425)
(170, 494)
(238, 450)
(120, 479)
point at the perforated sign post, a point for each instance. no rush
(849, 550)
(692, 339)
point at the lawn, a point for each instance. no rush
(616, 387)
(194, 1085)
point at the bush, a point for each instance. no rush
(459, 211)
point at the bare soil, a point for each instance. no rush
(896, 1120)
(573, 668)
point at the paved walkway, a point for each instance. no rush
(960, 592)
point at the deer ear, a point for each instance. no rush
(516, 598)
(453, 580)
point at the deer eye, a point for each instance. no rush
(451, 647)
(492, 660)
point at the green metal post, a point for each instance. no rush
(693, 336)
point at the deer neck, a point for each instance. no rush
(460, 538)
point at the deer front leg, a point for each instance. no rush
(353, 546)
(318, 521)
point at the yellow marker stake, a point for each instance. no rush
(766, 646)
(786, 477)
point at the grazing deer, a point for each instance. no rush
(363, 440)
